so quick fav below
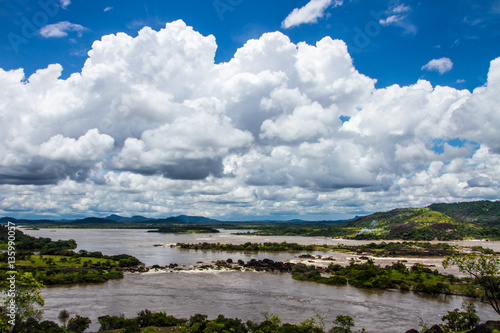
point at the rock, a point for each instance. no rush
(481, 329)
(230, 261)
(412, 331)
(493, 324)
(435, 329)
(306, 256)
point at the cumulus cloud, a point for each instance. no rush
(152, 125)
(310, 13)
(87, 149)
(61, 29)
(441, 65)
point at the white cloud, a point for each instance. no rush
(397, 15)
(310, 13)
(87, 149)
(153, 126)
(441, 65)
(107, 9)
(61, 29)
(65, 3)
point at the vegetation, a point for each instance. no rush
(26, 242)
(20, 303)
(345, 324)
(57, 263)
(438, 221)
(485, 270)
(476, 211)
(199, 323)
(395, 276)
(78, 324)
(144, 319)
(63, 317)
(281, 247)
(457, 321)
(420, 224)
(406, 249)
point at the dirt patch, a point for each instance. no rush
(443, 226)
(158, 330)
(403, 227)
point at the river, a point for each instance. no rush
(243, 295)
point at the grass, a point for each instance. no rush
(45, 261)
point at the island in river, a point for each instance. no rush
(239, 294)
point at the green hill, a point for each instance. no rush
(480, 219)
(476, 211)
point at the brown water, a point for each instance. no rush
(243, 295)
(246, 295)
(140, 243)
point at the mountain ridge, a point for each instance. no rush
(443, 221)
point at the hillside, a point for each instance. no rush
(479, 219)
(411, 223)
(469, 220)
(476, 211)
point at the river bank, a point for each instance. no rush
(239, 294)
(247, 295)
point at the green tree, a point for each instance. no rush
(63, 317)
(78, 324)
(485, 270)
(150, 329)
(314, 324)
(22, 293)
(456, 320)
(345, 324)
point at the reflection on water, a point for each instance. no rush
(246, 295)
(234, 294)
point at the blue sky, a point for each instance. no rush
(312, 109)
(466, 32)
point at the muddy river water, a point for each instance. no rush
(244, 295)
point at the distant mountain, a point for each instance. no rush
(90, 220)
(478, 219)
(136, 218)
(5, 220)
(195, 219)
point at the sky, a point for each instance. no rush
(247, 110)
